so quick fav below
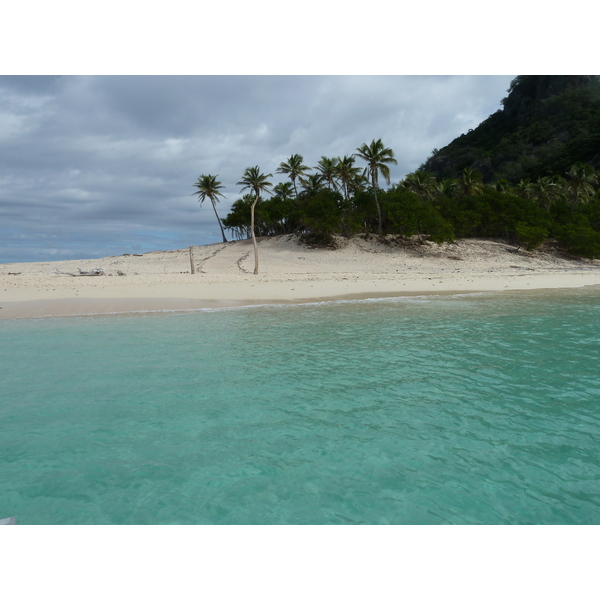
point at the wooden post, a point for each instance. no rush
(191, 262)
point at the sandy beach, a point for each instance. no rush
(289, 273)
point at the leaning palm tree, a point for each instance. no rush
(293, 168)
(377, 157)
(208, 187)
(256, 181)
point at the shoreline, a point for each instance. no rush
(289, 274)
(88, 307)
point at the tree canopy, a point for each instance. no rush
(467, 189)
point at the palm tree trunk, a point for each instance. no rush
(253, 236)
(374, 179)
(219, 220)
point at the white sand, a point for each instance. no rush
(289, 272)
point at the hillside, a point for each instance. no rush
(547, 123)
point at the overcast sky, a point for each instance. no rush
(92, 166)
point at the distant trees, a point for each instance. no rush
(338, 199)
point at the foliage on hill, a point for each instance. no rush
(547, 124)
(527, 174)
(565, 209)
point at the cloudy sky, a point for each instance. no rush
(92, 166)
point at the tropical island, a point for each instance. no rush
(513, 204)
(526, 175)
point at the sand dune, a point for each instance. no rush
(289, 272)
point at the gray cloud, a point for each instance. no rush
(91, 166)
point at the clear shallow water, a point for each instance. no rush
(469, 409)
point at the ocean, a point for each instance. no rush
(466, 409)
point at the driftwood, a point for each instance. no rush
(92, 273)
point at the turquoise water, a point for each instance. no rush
(468, 409)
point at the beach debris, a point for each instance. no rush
(121, 274)
(91, 273)
(240, 260)
(18, 273)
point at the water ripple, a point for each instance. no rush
(478, 409)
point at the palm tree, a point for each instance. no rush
(208, 187)
(470, 183)
(421, 183)
(346, 172)
(256, 181)
(524, 188)
(358, 183)
(293, 168)
(313, 183)
(377, 157)
(446, 187)
(500, 185)
(327, 168)
(283, 190)
(545, 191)
(580, 183)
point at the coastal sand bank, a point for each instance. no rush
(289, 273)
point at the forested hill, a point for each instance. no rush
(547, 123)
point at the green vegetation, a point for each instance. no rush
(377, 158)
(508, 179)
(547, 124)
